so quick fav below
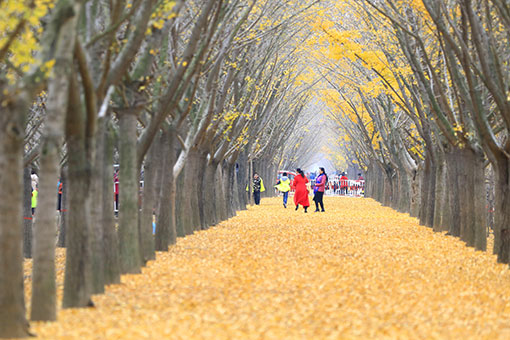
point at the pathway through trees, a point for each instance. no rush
(359, 270)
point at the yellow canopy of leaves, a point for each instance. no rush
(23, 17)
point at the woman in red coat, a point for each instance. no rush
(301, 193)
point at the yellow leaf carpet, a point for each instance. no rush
(358, 271)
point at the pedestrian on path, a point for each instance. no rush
(283, 186)
(301, 194)
(320, 186)
(34, 179)
(258, 187)
(344, 180)
(116, 189)
(35, 193)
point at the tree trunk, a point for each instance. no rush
(221, 189)
(369, 181)
(27, 213)
(473, 199)
(129, 246)
(395, 197)
(199, 184)
(221, 202)
(502, 210)
(467, 196)
(165, 223)
(235, 188)
(192, 184)
(470, 200)
(111, 241)
(231, 185)
(250, 182)
(182, 205)
(13, 322)
(416, 194)
(44, 290)
(242, 181)
(61, 242)
(442, 209)
(78, 271)
(96, 208)
(209, 194)
(479, 213)
(446, 220)
(454, 191)
(187, 208)
(428, 194)
(148, 204)
(387, 180)
(404, 201)
(379, 195)
(440, 195)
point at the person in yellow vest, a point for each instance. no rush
(283, 186)
(35, 192)
(258, 187)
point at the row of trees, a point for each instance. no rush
(196, 95)
(420, 90)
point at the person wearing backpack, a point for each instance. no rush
(320, 186)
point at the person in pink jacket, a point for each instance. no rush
(320, 186)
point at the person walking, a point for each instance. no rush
(344, 184)
(116, 190)
(320, 186)
(258, 187)
(301, 193)
(35, 194)
(283, 186)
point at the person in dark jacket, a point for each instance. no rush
(257, 187)
(320, 187)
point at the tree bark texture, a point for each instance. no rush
(467, 196)
(111, 241)
(128, 196)
(27, 213)
(62, 226)
(221, 202)
(415, 193)
(78, 276)
(148, 204)
(208, 194)
(97, 236)
(502, 210)
(44, 290)
(13, 322)
(166, 219)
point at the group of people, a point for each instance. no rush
(349, 187)
(300, 187)
(34, 178)
(301, 190)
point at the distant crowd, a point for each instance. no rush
(302, 185)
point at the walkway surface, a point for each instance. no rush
(358, 271)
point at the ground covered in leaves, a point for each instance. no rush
(358, 271)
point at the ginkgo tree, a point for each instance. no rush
(394, 72)
(171, 90)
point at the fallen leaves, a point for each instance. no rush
(358, 271)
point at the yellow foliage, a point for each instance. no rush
(358, 271)
(22, 16)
